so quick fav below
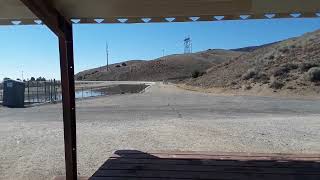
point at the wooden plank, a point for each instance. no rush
(221, 157)
(131, 165)
(290, 164)
(214, 168)
(132, 178)
(199, 175)
(234, 154)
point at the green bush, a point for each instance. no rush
(284, 69)
(276, 84)
(196, 74)
(250, 74)
(314, 74)
(304, 67)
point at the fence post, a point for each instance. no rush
(55, 89)
(50, 91)
(28, 86)
(37, 84)
(45, 91)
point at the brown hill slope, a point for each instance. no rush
(173, 67)
(288, 65)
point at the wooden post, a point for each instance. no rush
(63, 29)
(68, 100)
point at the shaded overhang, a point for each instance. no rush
(142, 11)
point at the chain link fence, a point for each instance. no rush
(50, 91)
(42, 91)
(1, 92)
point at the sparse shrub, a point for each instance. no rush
(249, 74)
(196, 74)
(247, 87)
(124, 64)
(271, 57)
(314, 74)
(284, 69)
(118, 66)
(233, 83)
(284, 50)
(291, 66)
(275, 84)
(291, 87)
(6, 78)
(263, 77)
(304, 67)
(94, 72)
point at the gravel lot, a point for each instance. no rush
(162, 118)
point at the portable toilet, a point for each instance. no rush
(13, 93)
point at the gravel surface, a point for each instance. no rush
(162, 118)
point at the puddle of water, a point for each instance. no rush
(85, 94)
(88, 93)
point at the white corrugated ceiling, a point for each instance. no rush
(141, 11)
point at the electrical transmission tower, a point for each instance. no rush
(187, 45)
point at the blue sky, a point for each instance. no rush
(34, 49)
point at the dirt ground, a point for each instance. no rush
(164, 117)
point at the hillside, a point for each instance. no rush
(286, 67)
(173, 67)
(289, 66)
(253, 48)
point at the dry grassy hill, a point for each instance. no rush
(173, 67)
(291, 65)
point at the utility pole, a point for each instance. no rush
(107, 51)
(21, 75)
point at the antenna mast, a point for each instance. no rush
(107, 51)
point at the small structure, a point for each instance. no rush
(13, 93)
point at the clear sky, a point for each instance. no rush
(34, 49)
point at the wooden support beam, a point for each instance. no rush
(68, 100)
(63, 29)
(48, 15)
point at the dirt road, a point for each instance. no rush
(162, 118)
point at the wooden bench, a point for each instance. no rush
(133, 165)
